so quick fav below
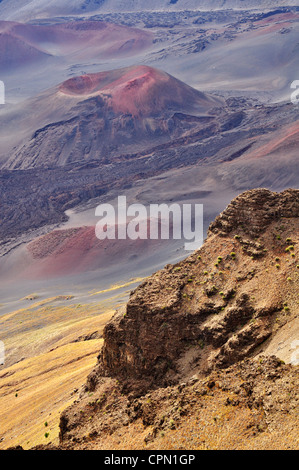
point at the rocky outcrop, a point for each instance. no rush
(200, 328)
(255, 210)
(250, 404)
(216, 307)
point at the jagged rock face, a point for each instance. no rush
(254, 396)
(255, 210)
(218, 306)
(201, 329)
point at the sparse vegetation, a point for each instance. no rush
(177, 269)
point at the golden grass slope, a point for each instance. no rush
(51, 347)
(35, 391)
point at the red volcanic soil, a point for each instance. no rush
(84, 39)
(65, 251)
(51, 243)
(139, 90)
(76, 250)
(285, 141)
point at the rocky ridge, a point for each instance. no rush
(199, 322)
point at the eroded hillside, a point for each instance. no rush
(186, 364)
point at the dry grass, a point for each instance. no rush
(46, 359)
(116, 287)
(43, 325)
(36, 391)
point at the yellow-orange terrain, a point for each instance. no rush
(51, 347)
